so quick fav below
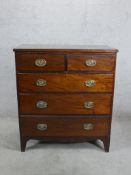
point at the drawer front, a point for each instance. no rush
(65, 82)
(65, 104)
(91, 63)
(39, 62)
(41, 126)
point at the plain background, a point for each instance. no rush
(63, 22)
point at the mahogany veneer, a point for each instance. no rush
(65, 93)
(104, 82)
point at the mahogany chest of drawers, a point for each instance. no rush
(65, 93)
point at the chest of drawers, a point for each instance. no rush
(65, 93)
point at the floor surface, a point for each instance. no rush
(65, 159)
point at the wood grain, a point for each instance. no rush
(65, 93)
(65, 82)
(103, 62)
(26, 62)
(65, 104)
(64, 127)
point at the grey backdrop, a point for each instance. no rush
(65, 22)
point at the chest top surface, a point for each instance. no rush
(66, 48)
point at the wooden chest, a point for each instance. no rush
(65, 93)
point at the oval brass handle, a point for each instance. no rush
(88, 126)
(41, 104)
(42, 126)
(41, 82)
(90, 62)
(90, 83)
(89, 104)
(40, 62)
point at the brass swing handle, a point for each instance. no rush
(42, 126)
(88, 126)
(41, 82)
(90, 83)
(40, 62)
(89, 104)
(41, 104)
(90, 62)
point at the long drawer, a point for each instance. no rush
(65, 104)
(80, 126)
(56, 82)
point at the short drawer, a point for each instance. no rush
(42, 126)
(91, 62)
(39, 62)
(65, 82)
(65, 104)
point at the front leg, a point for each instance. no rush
(106, 142)
(23, 144)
